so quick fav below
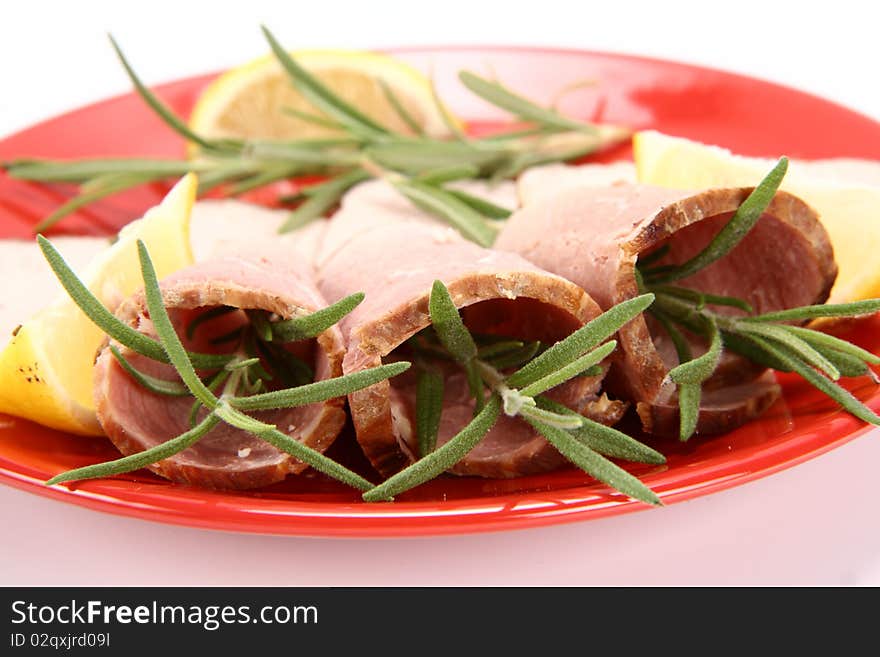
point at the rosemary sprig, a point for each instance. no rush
(240, 372)
(321, 97)
(424, 164)
(429, 408)
(767, 339)
(502, 97)
(743, 220)
(579, 439)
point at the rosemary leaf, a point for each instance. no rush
(459, 215)
(793, 344)
(242, 364)
(702, 298)
(585, 338)
(420, 156)
(398, 107)
(682, 348)
(314, 458)
(304, 153)
(321, 97)
(151, 383)
(167, 335)
(260, 323)
(744, 347)
(141, 459)
(312, 325)
(563, 421)
(517, 134)
(848, 365)
(107, 322)
(445, 174)
(429, 407)
(802, 313)
(486, 352)
(608, 441)
(515, 358)
(314, 119)
(689, 409)
(285, 443)
(480, 205)
(595, 464)
(702, 367)
(448, 325)
(571, 370)
(213, 384)
(440, 459)
(502, 97)
(321, 198)
(319, 391)
(823, 340)
(838, 394)
(475, 385)
(735, 230)
(162, 110)
(80, 171)
(107, 187)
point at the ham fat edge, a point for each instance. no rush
(497, 293)
(136, 419)
(594, 237)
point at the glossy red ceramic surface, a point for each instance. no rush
(747, 115)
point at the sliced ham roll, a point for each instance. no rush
(594, 237)
(498, 293)
(136, 419)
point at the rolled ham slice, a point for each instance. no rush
(377, 203)
(594, 238)
(498, 293)
(136, 419)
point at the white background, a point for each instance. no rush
(815, 524)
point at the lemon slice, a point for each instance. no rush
(845, 193)
(248, 101)
(46, 368)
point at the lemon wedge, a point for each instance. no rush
(249, 101)
(46, 368)
(845, 193)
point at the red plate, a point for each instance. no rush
(747, 115)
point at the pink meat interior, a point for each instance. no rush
(521, 319)
(772, 268)
(155, 418)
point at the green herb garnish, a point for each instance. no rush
(579, 439)
(422, 165)
(766, 339)
(241, 374)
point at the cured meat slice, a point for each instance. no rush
(136, 419)
(377, 203)
(226, 226)
(498, 293)
(537, 182)
(594, 237)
